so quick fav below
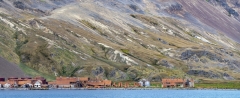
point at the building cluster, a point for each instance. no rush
(176, 83)
(28, 82)
(64, 82)
(85, 82)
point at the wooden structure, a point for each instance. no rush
(69, 82)
(136, 84)
(173, 83)
(99, 83)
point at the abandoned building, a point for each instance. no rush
(69, 82)
(174, 83)
(27, 82)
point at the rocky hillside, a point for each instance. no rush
(123, 39)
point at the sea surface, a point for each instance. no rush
(119, 93)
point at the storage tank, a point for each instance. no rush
(147, 84)
(2, 79)
(141, 83)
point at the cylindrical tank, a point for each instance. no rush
(141, 83)
(2, 79)
(147, 84)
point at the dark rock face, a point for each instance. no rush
(202, 73)
(233, 65)
(156, 78)
(195, 55)
(203, 60)
(187, 54)
(210, 74)
(227, 76)
(123, 76)
(98, 71)
(165, 63)
(20, 5)
(136, 8)
(132, 74)
(117, 75)
(176, 7)
(198, 54)
(195, 58)
(224, 51)
(224, 4)
(112, 73)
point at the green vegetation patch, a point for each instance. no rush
(31, 72)
(92, 26)
(224, 85)
(126, 51)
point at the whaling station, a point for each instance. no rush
(40, 83)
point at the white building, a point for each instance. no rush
(38, 84)
(7, 85)
(144, 83)
(147, 84)
(141, 83)
(191, 84)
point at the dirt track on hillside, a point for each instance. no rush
(8, 69)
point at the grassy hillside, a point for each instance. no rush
(121, 44)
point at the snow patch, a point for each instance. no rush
(203, 39)
(50, 42)
(124, 58)
(117, 54)
(7, 22)
(104, 45)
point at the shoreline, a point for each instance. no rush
(114, 89)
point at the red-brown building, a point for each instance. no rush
(68, 82)
(99, 84)
(172, 83)
(23, 82)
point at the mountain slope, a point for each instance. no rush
(121, 39)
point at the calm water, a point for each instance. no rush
(120, 94)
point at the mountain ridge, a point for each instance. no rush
(121, 39)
